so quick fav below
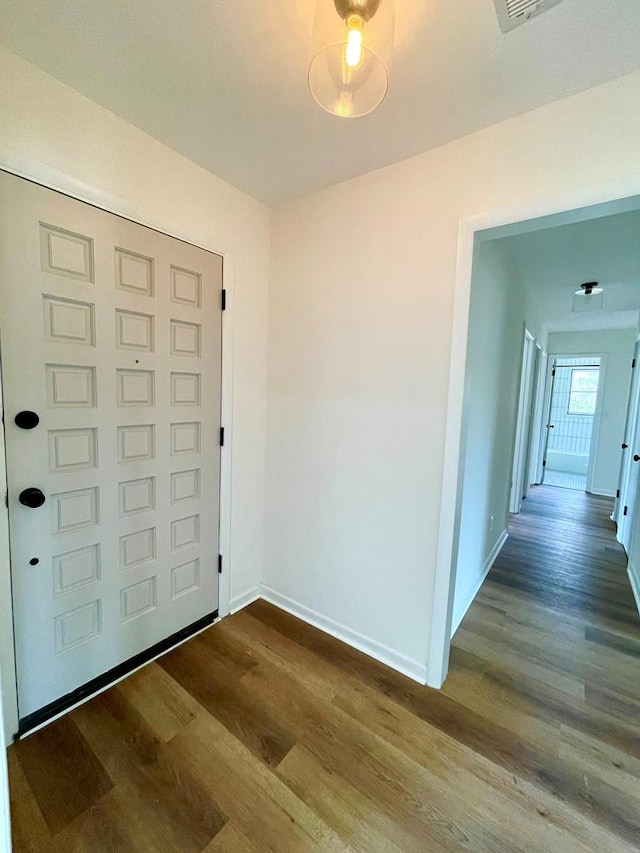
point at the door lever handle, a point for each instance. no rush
(636, 458)
(624, 446)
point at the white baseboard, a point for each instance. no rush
(459, 615)
(604, 493)
(396, 660)
(634, 580)
(244, 599)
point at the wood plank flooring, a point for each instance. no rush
(263, 734)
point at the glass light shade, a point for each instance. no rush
(593, 292)
(350, 53)
(588, 289)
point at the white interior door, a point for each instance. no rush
(532, 441)
(633, 549)
(523, 424)
(546, 422)
(539, 425)
(528, 447)
(629, 509)
(629, 516)
(625, 503)
(111, 334)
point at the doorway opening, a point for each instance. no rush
(570, 425)
(523, 277)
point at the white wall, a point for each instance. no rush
(615, 376)
(494, 356)
(52, 133)
(361, 314)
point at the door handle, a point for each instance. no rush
(551, 426)
(636, 458)
(26, 420)
(624, 446)
(33, 498)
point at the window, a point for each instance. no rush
(584, 390)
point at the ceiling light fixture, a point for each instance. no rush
(350, 52)
(589, 288)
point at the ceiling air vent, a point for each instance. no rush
(514, 12)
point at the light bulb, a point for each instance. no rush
(353, 48)
(344, 106)
(350, 52)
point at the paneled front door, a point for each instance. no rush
(111, 358)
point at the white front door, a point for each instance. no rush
(111, 337)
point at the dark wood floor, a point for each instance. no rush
(263, 734)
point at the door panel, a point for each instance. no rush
(629, 470)
(111, 333)
(523, 426)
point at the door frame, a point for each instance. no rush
(8, 681)
(531, 433)
(523, 424)
(550, 379)
(438, 641)
(597, 416)
(538, 425)
(535, 456)
(50, 178)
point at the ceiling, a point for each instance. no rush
(551, 263)
(224, 81)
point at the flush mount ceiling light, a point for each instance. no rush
(589, 288)
(350, 52)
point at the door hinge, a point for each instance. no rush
(544, 463)
(625, 511)
(617, 493)
(219, 564)
(6, 499)
(633, 363)
(221, 436)
(553, 372)
(223, 302)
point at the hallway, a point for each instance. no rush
(550, 651)
(562, 552)
(264, 734)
